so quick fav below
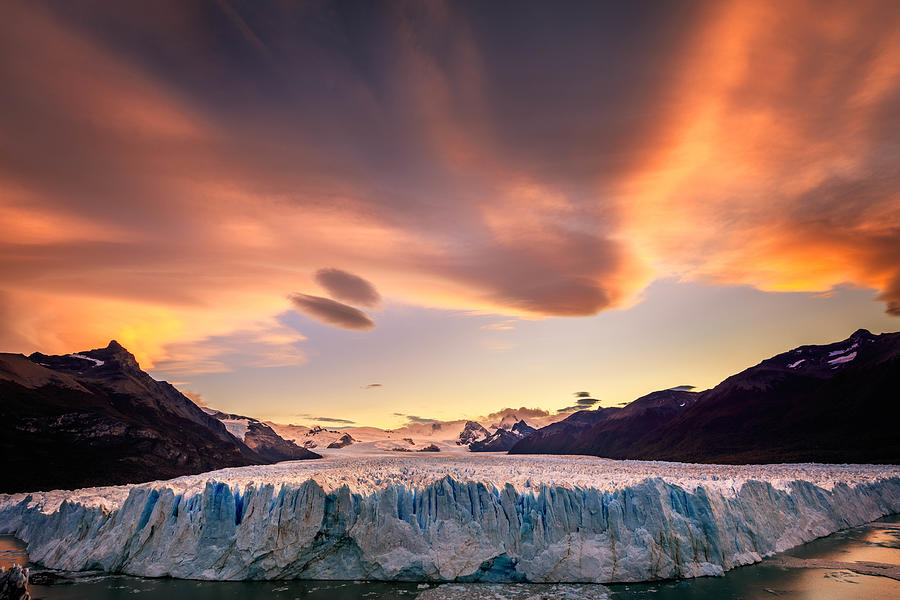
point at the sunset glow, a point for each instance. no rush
(474, 209)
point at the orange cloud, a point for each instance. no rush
(777, 165)
(172, 196)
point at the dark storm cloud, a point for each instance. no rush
(332, 312)
(348, 287)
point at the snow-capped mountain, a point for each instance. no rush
(471, 433)
(342, 442)
(507, 422)
(829, 403)
(95, 417)
(445, 436)
(504, 437)
(261, 438)
(319, 437)
(449, 436)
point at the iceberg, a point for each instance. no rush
(472, 518)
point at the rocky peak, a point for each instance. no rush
(472, 431)
(344, 440)
(521, 428)
(862, 334)
(116, 352)
(507, 422)
(97, 363)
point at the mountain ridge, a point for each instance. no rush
(95, 418)
(827, 403)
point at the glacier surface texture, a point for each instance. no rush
(450, 518)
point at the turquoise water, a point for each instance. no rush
(878, 543)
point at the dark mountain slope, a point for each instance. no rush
(615, 436)
(557, 438)
(97, 419)
(115, 370)
(832, 403)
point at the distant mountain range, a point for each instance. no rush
(453, 436)
(834, 403)
(505, 437)
(95, 418)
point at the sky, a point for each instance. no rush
(381, 212)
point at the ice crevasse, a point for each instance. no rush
(486, 518)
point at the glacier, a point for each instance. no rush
(464, 518)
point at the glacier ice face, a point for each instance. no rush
(444, 518)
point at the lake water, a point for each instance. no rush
(777, 577)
